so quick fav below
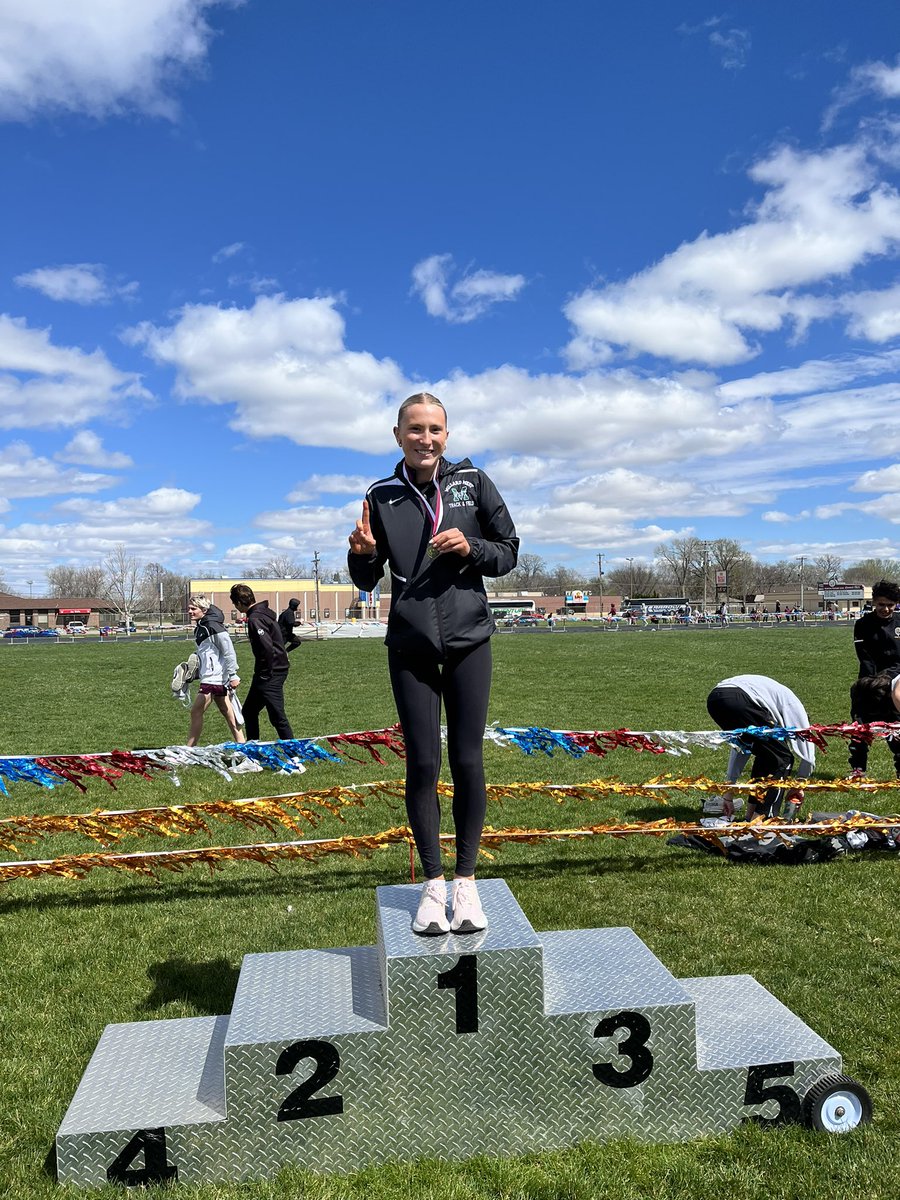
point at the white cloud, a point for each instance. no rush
(310, 521)
(812, 376)
(283, 365)
(637, 494)
(23, 473)
(329, 485)
(874, 315)
(247, 553)
(732, 46)
(872, 78)
(82, 283)
(165, 503)
(885, 480)
(730, 43)
(227, 252)
(776, 517)
(43, 386)
(98, 57)
(155, 527)
(470, 297)
(849, 551)
(582, 526)
(821, 216)
(524, 473)
(88, 450)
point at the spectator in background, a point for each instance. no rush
(755, 700)
(218, 668)
(271, 666)
(876, 639)
(286, 623)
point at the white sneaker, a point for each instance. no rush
(431, 915)
(713, 806)
(468, 915)
(244, 766)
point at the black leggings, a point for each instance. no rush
(463, 682)
(859, 750)
(732, 708)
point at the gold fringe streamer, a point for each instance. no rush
(291, 810)
(294, 810)
(77, 866)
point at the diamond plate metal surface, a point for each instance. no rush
(501, 1042)
(740, 1023)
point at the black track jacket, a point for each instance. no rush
(877, 643)
(437, 605)
(269, 655)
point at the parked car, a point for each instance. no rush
(29, 631)
(76, 627)
(126, 627)
(527, 620)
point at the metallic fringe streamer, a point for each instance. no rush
(77, 866)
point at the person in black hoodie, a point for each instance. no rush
(441, 527)
(270, 665)
(286, 622)
(876, 639)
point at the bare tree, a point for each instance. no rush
(162, 590)
(637, 579)
(122, 580)
(562, 579)
(725, 554)
(528, 574)
(282, 566)
(763, 577)
(63, 580)
(873, 570)
(830, 567)
(679, 560)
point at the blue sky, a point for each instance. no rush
(645, 253)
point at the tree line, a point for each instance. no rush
(681, 566)
(129, 585)
(678, 568)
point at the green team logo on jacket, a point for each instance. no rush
(460, 497)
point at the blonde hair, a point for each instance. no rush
(419, 398)
(200, 602)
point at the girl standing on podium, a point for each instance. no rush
(440, 527)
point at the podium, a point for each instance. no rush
(502, 1042)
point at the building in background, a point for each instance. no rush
(337, 601)
(53, 612)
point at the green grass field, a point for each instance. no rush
(116, 948)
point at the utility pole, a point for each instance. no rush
(600, 558)
(316, 577)
(630, 562)
(705, 572)
(801, 558)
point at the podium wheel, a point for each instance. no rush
(836, 1104)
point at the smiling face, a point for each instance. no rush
(195, 612)
(884, 607)
(422, 436)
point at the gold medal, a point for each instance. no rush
(432, 551)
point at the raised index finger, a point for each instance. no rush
(365, 517)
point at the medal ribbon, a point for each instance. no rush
(436, 514)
